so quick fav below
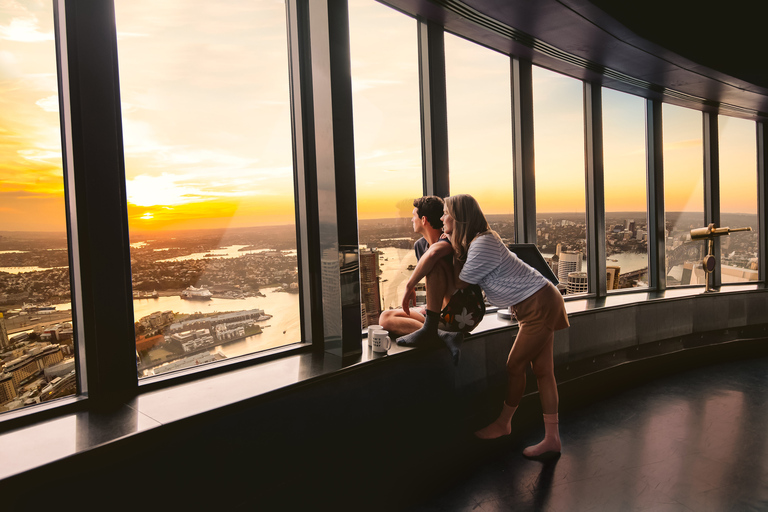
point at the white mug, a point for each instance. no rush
(372, 328)
(380, 342)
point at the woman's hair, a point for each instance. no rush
(468, 222)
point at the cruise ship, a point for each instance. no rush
(193, 293)
(37, 308)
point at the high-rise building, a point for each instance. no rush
(331, 264)
(3, 333)
(570, 261)
(369, 286)
(7, 389)
(612, 277)
(577, 283)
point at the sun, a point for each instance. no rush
(147, 216)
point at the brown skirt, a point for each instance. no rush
(544, 310)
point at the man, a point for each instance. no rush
(454, 311)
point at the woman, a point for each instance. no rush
(482, 258)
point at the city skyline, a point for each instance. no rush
(491, 217)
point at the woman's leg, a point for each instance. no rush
(528, 344)
(544, 368)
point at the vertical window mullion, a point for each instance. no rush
(762, 192)
(712, 185)
(96, 178)
(434, 116)
(307, 223)
(595, 188)
(523, 151)
(336, 186)
(657, 278)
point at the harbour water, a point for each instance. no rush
(232, 251)
(282, 329)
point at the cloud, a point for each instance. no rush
(49, 104)
(683, 144)
(41, 155)
(146, 190)
(128, 35)
(363, 84)
(24, 30)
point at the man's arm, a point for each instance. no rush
(435, 253)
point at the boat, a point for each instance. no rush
(193, 293)
(37, 308)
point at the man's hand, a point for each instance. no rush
(408, 297)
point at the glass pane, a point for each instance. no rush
(626, 210)
(36, 335)
(385, 95)
(738, 199)
(683, 194)
(206, 122)
(561, 221)
(480, 130)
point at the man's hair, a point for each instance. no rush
(430, 207)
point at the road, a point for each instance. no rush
(25, 322)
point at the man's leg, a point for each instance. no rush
(438, 281)
(463, 310)
(397, 322)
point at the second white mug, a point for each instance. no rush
(380, 342)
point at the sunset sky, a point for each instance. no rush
(206, 122)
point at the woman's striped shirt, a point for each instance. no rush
(505, 278)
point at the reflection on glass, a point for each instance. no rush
(738, 199)
(480, 130)
(561, 225)
(206, 122)
(683, 194)
(37, 361)
(385, 96)
(626, 210)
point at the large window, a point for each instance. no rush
(37, 360)
(558, 123)
(385, 95)
(626, 210)
(480, 130)
(206, 122)
(683, 194)
(738, 199)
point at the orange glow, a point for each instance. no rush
(237, 172)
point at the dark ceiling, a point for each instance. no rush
(730, 38)
(673, 50)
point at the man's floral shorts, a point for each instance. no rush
(464, 311)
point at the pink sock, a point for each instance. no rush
(501, 427)
(551, 442)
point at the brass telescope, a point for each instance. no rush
(709, 233)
